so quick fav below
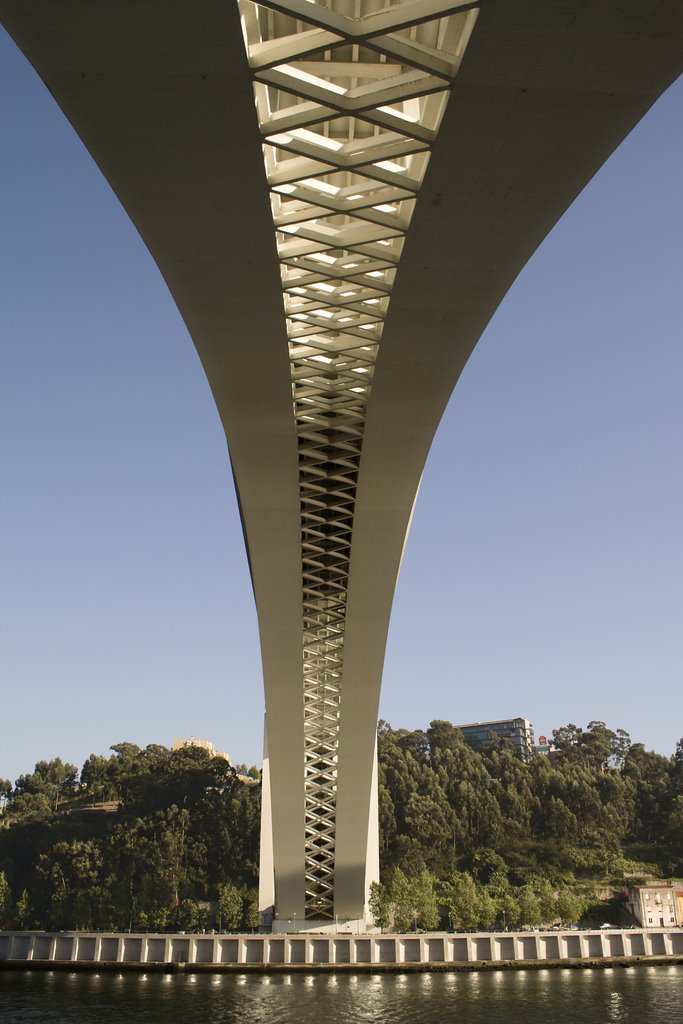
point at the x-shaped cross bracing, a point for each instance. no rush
(349, 97)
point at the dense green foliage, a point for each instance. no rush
(158, 839)
(175, 828)
(509, 842)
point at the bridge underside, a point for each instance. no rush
(330, 361)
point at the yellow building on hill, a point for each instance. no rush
(206, 745)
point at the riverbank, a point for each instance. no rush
(106, 967)
(376, 953)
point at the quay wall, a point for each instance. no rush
(437, 950)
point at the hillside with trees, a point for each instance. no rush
(144, 839)
(158, 839)
(505, 842)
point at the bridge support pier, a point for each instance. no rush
(344, 922)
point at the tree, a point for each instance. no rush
(547, 901)
(38, 794)
(379, 905)
(28, 807)
(5, 902)
(487, 909)
(188, 915)
(677, 765)
(570, 908)
(488, 866)
(73, 871)
(252, 917)
(596, 747)
(650, 775)
(412, 901)
(59, 777)
(460, 895)
(402, 902)
(96, 777)
(443, 736)
(675, 823)
(529, 906)
(425, 914)
(174, 847)
(24, 909)
(230, 906)
(566, 739)
(509, 911)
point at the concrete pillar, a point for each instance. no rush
(266, 866)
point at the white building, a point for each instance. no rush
(656, 905)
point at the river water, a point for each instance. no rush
(636, 995)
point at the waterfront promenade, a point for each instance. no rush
(434, 950)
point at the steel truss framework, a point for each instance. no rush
(349, 98)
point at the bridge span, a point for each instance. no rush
(338, 196)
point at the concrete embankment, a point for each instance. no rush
(436, 951)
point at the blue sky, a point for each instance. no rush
(544, 572)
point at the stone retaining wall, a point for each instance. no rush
(82, 948)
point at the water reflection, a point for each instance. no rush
(615, 1007)
(633, 996)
